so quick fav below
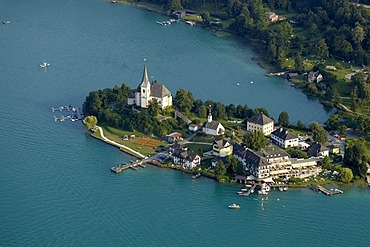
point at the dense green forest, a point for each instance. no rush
(335, 28)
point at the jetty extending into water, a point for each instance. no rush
(325, 191)
(277, 73)
(121, 167)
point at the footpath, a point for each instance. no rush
(122, 147)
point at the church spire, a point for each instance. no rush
(145, 81)
(210, 114)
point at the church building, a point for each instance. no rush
(213, 127)
(146, 92)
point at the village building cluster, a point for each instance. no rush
(263, 165)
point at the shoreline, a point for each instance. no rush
(154, 8)
(122, 147)
(136, 154)
(258, 57)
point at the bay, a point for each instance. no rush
(55, 184)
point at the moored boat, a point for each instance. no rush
(191, 23)
(234, 206)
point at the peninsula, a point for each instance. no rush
(228, 143)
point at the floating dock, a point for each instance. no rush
(325, 191)
(75, 113)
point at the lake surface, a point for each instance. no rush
(55, 184)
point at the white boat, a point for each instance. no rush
(44, 65)
(234, 206)
(172, 20)
(6, 22)
(285, 188)
(237, 84)
(262, 192)
(251, 82)
(191, 23)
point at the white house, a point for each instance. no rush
(314, 76)
(193, 127)
(284, 138)
(260, 122)
(213, 127)
(146, 92)
(185, 158)
(222, 148)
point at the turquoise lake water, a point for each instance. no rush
(55, 185)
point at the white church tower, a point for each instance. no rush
(144, 87)
(210, 115)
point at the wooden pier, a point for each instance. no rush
(325, 191)
(121, 167)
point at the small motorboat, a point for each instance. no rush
(6, 22)
(191, 23)
(44, 65)
(234, 206)
(196, 176)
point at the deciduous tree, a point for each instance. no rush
(345, 175)
(319, 134)
(220, 170)
(284, 119)
(355, 157)
(183, 100)
(255, 140)
(90, 122)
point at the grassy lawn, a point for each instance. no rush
(199, 148)
(201, 137)
(362, 110)
(193, 18)
(298, 132)
(117, 134)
